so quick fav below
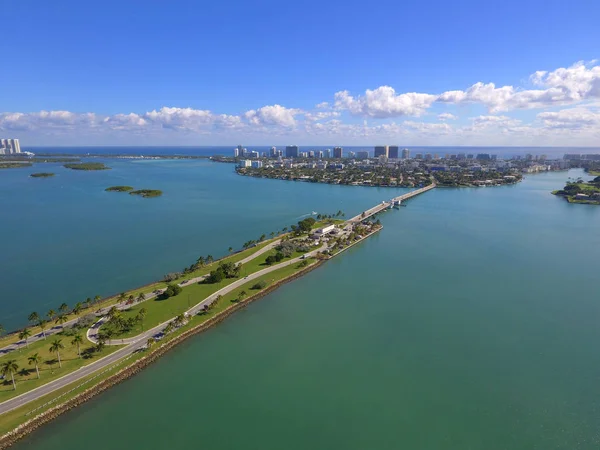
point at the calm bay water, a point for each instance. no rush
(469, 322)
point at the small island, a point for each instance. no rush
(147, 193)
(87, 166)
(14, 165)
(579, 191)
(42, 175)
(119, 189)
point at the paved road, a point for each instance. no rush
(121, 306)
(386, 204)
(139, 341)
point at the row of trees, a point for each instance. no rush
(10, 367)
(225, 270)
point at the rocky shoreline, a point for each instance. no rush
(31, 425)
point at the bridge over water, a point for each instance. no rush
(386, 205)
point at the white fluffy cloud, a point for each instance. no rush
(577, 85)
(573, 118)
(384, 102)
(446, 116)
(273, 115)
(560, 87)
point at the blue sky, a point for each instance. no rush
(204, 73)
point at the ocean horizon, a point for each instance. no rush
(226, 150)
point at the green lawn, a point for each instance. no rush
(49, 369)
(159, 311)
(18, 416)
(12, 338)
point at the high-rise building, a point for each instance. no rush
(483, 156)
(351, 155)
(327, 153)
(428, 156)
(362, 155)
(381, 150)
(393, 152)
(338, 152)
(273, 151)
(405, 153)
(419, 156)
(236, 152)
(9, 146)
(292, 151)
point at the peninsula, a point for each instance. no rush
(99, 342)
(583, 192)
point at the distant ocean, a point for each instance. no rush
(551, 152)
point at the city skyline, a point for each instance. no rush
(465, 79)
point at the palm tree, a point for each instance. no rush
(179, 320)
(113, 312)
(77, 308)
(150, 342)
(63, 308)
(42, 324)
(33, 317)
(50, 314)
(11, 367)
(35, 359)
(77, 340)
(141, 315)
(209, 259)
(56, 347)
(1, 329)
(168, 328)
(97, 299)
(122, 296)
(61, 320)
(24, 335)
(200, 261)
(130, 299)
(141, 297)
(230, 249)
(87, 302)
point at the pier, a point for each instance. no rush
(390, 204)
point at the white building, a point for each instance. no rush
(245, 163)
(256, 164)
(9, 146)
(325, 230)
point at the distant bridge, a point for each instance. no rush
(389, 204)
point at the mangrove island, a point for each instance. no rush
(147, 193)
(42, 175)
(119, 189)
(87, 166)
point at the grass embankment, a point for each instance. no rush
(42, 175)
(87, 166)
(160, 310)
(26, 376)
(119, 189)
(147, 193)
(109, 301)
(12, 419)
(18, 416)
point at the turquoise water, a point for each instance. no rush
(469, 322)
(65, 239)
